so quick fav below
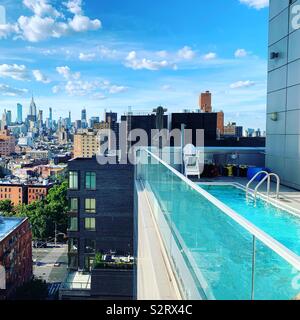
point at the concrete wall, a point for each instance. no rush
(283, 135)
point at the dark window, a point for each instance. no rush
(73, 204)
(73, 224)
(90, 180)
(90, 246)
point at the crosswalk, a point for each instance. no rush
(53, 289)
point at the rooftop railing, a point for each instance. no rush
(215, 253)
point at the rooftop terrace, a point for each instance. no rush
(7, 225)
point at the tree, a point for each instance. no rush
(44, 214)
(7, 207)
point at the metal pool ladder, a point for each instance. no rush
(266, 177)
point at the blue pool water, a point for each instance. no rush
(217, 247)
(280, 224)
(7, 225)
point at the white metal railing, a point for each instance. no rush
(285, 253)
(266, 177)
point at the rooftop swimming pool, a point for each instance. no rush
(7, 225)
(218, 243)
(278, 223)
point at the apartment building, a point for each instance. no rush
(86, 144)
(23, 193)
(37, 192)
(15, 255)
(7, 143)
(283, 106)
(100, 223)
(16, 193)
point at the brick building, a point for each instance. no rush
(23, 193)
(15, 255)
(37, 192)
(7, 143)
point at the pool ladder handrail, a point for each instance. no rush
(266, 177)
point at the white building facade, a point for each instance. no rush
(283, 105)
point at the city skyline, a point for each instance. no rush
(124, 60)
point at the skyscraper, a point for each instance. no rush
(40, 119)
(50, 114)
(4, 120)
(205, 102)
(83, 115)
(83, 118)
(8, 117)
(50, 123)
(32, 110)
(19, 113)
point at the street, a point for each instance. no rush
(50, 264)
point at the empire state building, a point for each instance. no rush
(32, 111)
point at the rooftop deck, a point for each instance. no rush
(7, 225)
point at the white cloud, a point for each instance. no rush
(67, 74)
(41, 8)
(79, 87)
(256, 4)
(7, 29)
(210, 56)
(186, 53)
(40, 77)
(55, 89)
(242, 84)
(14, 71)
(162, 53)
(83, 23)
(6, 90)
(75, 86)
(117, 89)
(46, 22)
(240, 53)
(137, 64)
(107, 53)
(99, 96)
(87, 56)
(35, 28)
(74, 6)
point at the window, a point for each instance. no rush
(73, 224)
(90, 224)
(90, 180)
(90, 246)
(90, 205)
(73, 180)
(73, 204)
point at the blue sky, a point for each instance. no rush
(111, 54)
